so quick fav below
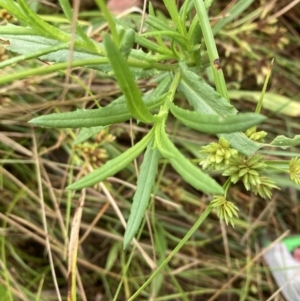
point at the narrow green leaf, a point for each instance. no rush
(32, 54)
(234, 12)
(195, 37)
(14, 9)
(215, 124)
(158, 24)
(164, 81)
(152, 19)
(202, 96)
(169, 34)
(190, 173)
(86, 133)
(126, 40)
(242, 143)
(161, 246)
(68, 11)
(153, 46)
(112, 256)
(204, 99)
(143, 192)
(110, 20)
(127, 82)
(185, 9)
(285, 142)
(113, 166)
(182, 243)
(36, 22)
(26, 41)
(114, 113)
(160, 134)
(172, 9)
(50, 69)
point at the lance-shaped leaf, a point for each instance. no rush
(86, 133)
(173, 11)
(24, 40)
(40, 25)
(115, 113)
(204, 99)
(143, 192)
(127, 82)
(126, 40)
(113, 166)
(285, 142)
(215, 124)
(190, 173)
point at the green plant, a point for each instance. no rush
(173, 60)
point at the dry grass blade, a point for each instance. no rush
(43, 214)
(73, 249)
(240, 273)
(148, 260)
(14, 145)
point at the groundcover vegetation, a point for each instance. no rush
(87, 216)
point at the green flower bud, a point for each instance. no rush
(256, 136)
(245, 169)
(225, 210)
(264, 189)
(219, 155)
(294, 170)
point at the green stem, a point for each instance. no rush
(195, 227)
(211, 48)
(226, 186)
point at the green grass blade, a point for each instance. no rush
(195, 227)
(127, 82)
(143, 192)
(112, 166)
(214, 124)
